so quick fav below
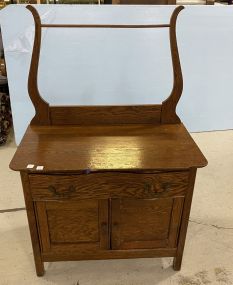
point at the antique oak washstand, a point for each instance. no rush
(114, 181)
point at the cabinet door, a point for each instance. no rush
(145, 224)
(73, 226)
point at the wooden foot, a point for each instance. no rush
(39, 264)
(177, 263)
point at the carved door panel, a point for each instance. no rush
(145, 224)
(70, 226)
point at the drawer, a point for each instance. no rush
(108, 185)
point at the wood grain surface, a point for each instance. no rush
(108, 185)
(157, 232)
(73, 226)
(105, 115)
(84, 254)
(99, 148)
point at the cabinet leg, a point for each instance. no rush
(184, 224)
(177, 262)
(39, 267)
(39, 264)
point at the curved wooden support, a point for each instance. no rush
(41, 107)
(46, 115)
(168, 114)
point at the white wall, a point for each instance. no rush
(123, 66)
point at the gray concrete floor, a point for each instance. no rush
(208, 255)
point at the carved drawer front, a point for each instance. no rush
(145, 224)
(108, 185)
(71, 226)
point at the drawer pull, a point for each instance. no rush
(161, 187)
(149, 188)
(71, 189)
(165, 187)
